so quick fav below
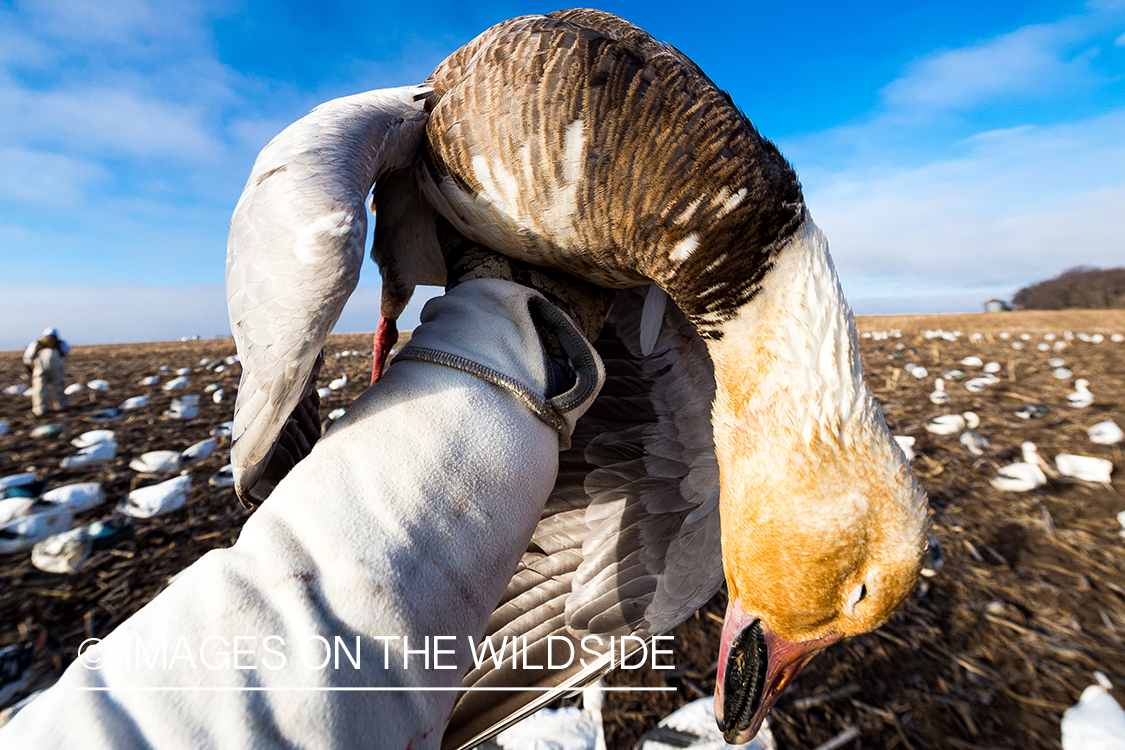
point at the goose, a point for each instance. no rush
(98, 385)
(1084, 468)
(1022, 476)
(992, 368)
(183, 371)
(728, 305)
(1061, 373)
(339, 383)
(939, 396)
(218, 396)
(157, 499)
(1106, 433)
(150, 380)
(222, 478)
(1081, 397)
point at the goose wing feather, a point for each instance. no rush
(628, 543)
(293, 259)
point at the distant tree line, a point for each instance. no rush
(1082, 287)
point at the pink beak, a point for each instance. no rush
(755, 666)
(386, 336)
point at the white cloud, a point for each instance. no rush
(29, 176)
(1017, 206)
(1025, 62)
(106, 121)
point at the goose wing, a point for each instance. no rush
(293, 258)
(628, 543)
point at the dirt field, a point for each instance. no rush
(986, 654)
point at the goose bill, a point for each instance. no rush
(755, 666)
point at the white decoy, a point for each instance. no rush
(976, 385)
(1022, 476)
(164, 368)
(1061, 373)
(200, 451)
(939, 396)
(136, 402)
(972, 362)
(1081, 397)
(1117, 338)
(906, 442)
(98, 385)
(16, 480)
(205, 361)
(211, 388)
(1084, 468)
(1043, 347)
(150, 380)
(692, 727)
(184, 371)
(223, 430)
(177, 384)
(1049, 337)
(12, 508)
(74, 388)
(157, 462)
(157, 499)
(79, 497)
(719, 223)
(224, 477)
(90, 456)
(567, 728)
(43, 520)
(992, 367)
(63, 553)
(1096, 722)
(974, 442)
(951, 424)
(1056, 361)
(93, 437)
(16, 390)
(1106, 433)
(324, 392)
(339, 383)
(218, 396)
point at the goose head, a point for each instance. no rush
(618, 161)
(824, 526)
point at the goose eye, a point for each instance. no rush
(857, 595)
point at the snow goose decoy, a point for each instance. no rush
(1081, 397)
(1085, 468)
(1022, 476)
(517, 142)
(1106, 433)
(939, 396)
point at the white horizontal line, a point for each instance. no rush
(363, 689)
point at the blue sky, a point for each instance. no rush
(951, 151)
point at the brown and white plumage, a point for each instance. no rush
(577, 141)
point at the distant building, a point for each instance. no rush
(996, 305)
